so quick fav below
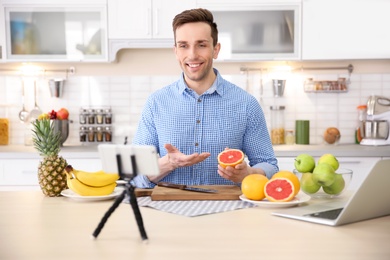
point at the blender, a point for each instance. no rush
(376, 127)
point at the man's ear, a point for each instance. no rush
(217, 48)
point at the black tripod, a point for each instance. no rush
(129, 190)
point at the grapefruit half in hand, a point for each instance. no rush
(279, 190)
(230, 157)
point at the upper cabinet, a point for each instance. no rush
(348, 29)
(143, 23)
(257, 30)
(54, 30)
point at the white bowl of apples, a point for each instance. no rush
(324, 179)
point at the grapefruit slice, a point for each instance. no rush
(279, 190)
(292, 177)
(230, 157)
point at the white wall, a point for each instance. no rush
(125, 85)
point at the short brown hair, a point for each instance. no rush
(193, 16)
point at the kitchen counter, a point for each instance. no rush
(37, 227)
(344, 150)
(67, 151)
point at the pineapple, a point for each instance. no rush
(51, 170)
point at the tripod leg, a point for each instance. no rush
(137, 213)
(103, 221)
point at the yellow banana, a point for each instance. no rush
(84, 190)
(94, 179)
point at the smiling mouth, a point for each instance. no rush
(194, 65)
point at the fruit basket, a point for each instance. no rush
(343, 178)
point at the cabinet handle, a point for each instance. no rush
(156, 21)
(149, 20)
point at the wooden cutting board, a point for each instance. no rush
(225, 192)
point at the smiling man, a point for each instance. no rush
(195, 118)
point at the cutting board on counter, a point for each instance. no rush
(225, 192)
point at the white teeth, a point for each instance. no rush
(194, 65)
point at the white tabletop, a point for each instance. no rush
(36, 227)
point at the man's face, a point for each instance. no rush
(195, 51)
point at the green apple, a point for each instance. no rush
(324, 174)
(337, 187)
(304, 163)
(307, 183)
(329, 159)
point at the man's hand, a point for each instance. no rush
(239, 172)
(175, 159)
(178, 159)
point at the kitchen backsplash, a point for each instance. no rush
(126, 96)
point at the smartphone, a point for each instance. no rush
(145, 157)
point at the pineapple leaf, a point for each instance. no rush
(45, 140)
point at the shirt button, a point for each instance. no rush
(196, 144)
(197, 121)
(199, 100)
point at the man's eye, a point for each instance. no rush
(182, 45)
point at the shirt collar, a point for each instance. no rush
(215, 87)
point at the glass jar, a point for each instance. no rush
(277, 124)
(83, 116)
(290, 138)
(99, 116)
(83, 134)
(107, 134)
(91, 116)
(108, 116)
(99, 134)
(91, 134)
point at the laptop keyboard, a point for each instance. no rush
(328, 214)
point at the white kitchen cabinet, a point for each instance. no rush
(54, 30)
(142, 23)
(348, 29)
(17, 174)
(360, 166)
(257, 30)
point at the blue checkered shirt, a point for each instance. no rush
(223, 116)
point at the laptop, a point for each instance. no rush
(370, 200)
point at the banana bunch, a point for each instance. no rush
(84, 183)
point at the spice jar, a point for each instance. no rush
(83, 134)
(91, 116)
(290, 138)
(277, 124)
(108, 116)
(91, 134)
(99, 134)
(107, 134)
(83, 116)
(99, 116)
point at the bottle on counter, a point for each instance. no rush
(362, 115)
(290, 137)
(277, 124)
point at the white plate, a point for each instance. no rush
(300, 198)
(72, 195)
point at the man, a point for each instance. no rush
(195, 118)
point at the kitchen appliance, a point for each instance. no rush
(376, 126)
